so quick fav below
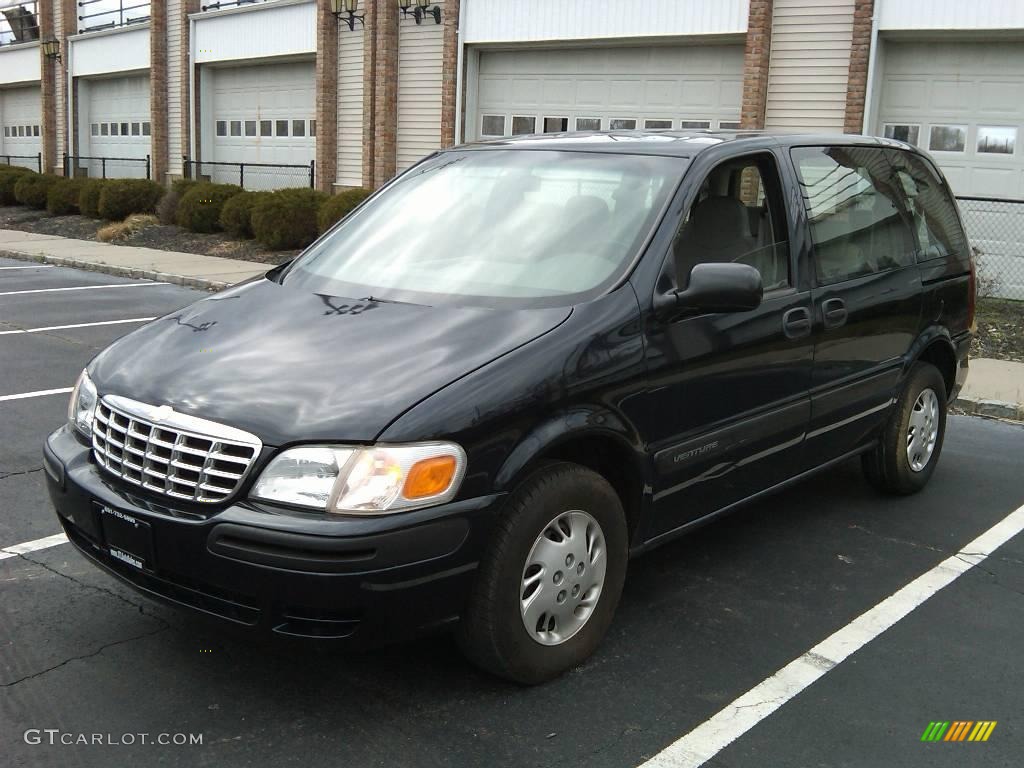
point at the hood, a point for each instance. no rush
(288, 365)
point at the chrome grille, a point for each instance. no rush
(181, 456)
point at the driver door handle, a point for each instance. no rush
(833, 312)
(796, 323)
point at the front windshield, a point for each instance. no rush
(497, 228)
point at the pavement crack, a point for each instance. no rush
(22, 472)
(897, 540)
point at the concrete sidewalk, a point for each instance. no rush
(994, 387)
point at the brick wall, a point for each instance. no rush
(449, 72)
(858, 76)
(158, 89)
(756, 55)
(386, 99)
(47, 86)
(369, 92)
(326, 96)
(185, 66)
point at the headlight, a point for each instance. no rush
(82, 406)
(364, 480)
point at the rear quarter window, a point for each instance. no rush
(931, 206)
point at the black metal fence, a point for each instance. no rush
(19, 23)
(995, 228)
(27, 161)
(85, 166)
(254, 176)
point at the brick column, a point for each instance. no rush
(449, 72)
(385, 146)
(47, 85)
(65, 23)
(187, 7)
(857, 80)
(369, 90)
(158, 90)
(326, 97)
(756, 55)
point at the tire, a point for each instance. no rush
(493, 631)
(889, 467)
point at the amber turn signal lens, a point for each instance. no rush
(429, 477)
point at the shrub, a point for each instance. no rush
(89, 197)
(287, 218)
(167, 208)
(236, 215)
(120, 198)
(9, 176)
(62, 198)
(339, 206)
(122, 229)
(32, 188)
(200, 207)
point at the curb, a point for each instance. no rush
(993, 409)
(187, 281)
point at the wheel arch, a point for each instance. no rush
(935, 346)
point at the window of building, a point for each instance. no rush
(658, 125)
(298, 127)
(250, 127)
(145, 128)
(556, 124)
(858, 221)
(7, 131)
(124, 129)
(947, 138)
(266, 127)
(729, 125)
(523, 124)
(994, 140)
(694, 124)
(282, 127)
(21, 130)
(622, 124)
(932, 211)
(222, 127)
(136, 129)
(236, 127)
(492, 125)
(104, 129)
(312, 127)
(588, 123)
(902, 132)
(35, 130)
(114, 128)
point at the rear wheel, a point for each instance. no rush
(912, 439)
(551, 580)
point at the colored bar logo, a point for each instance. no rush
(959, 730)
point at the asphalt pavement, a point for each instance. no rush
(702, 621)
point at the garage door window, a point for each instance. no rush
(145, 129)
(236, 127)
(588, 123)
(492, 125)
(903, 132)
(523, 124)
(312, 127)
(104, 129)
(658, 125)
(947, 138)
(35, 130)
(266, 128)
(729, 125)
(556, 124)
(222, 128)
(622, 124)
(996, 140)
(114, 129)
(282, 127)
(250, 127)
(694, 124)
(298, 127)
(136, 129)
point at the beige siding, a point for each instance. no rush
(174, 106)
(419, 89)
(810, 59)
(350, 106)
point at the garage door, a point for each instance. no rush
(116, 113)
(264, 114)
(546, 91)
(21, 118)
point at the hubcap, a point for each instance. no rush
(923, 430)
(563, 577)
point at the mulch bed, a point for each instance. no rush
(1000, 332)
(162, 236)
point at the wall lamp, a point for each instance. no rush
(51, 49)
(421, 10)
(346, 11)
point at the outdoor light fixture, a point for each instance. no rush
(421, 10)
(346, 11)
(51, 49)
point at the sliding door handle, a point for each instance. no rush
(833, 312)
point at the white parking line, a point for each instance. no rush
(78, 325)
(37, 266)
(82, 288)
(712, 736)
(40, 393)
(33, 546)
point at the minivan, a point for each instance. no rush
(511, 369)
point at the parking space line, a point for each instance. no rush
(37, 266)
(33, 546)
(39, 393)
(79, 325)
(82, 288)
(712, 736)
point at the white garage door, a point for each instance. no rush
(263, 114)
(114, 116)
(21, 118)
(546, 91)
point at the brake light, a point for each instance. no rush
(972, 293)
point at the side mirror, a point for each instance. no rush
(714, 287)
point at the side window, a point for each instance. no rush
(858, 222)
(932, 211)
(738, 216)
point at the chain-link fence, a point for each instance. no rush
(82, 166)
(253, 176)
(995, 229)
(27, 161)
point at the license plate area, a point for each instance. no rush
(127, 539)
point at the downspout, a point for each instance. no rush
(872, 57)
(459, 63)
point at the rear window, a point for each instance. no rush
(932, 210)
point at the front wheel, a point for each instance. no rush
(550, 582)
(912, 439)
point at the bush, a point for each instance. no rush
(167, 208)
(339, 206)
(119, 230)
(287, 218)
(120, 198)
(32, 188)
(62, 199)
(9, 176)
(89, 197)
(236, 215)
(200, 207)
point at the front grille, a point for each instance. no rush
(181, 456)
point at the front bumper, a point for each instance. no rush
(366, 580)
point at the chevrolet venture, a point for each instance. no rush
(511, 369)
